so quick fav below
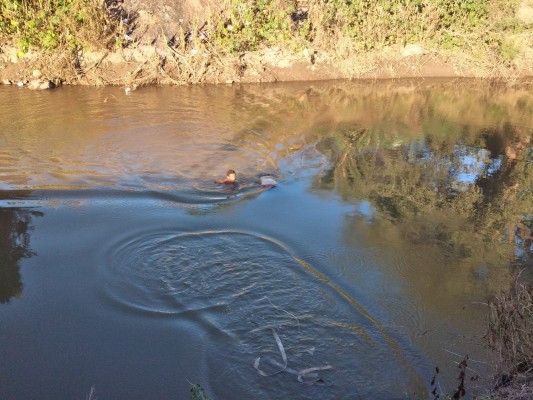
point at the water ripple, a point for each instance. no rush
(235, 287)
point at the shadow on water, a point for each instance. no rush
(15, 227)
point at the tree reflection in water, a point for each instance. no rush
(15, 227)
(464, 192)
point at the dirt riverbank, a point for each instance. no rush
(151, 58)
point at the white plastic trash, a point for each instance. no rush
(268, 181)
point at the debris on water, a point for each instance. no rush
(197, 392)
(283, 356)
(307, 375)
(268, 181)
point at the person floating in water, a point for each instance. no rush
(267, 181)
(231, 177)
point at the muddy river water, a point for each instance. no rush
(126, 272)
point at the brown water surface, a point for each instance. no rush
(400, 207)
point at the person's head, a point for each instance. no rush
(231, 175)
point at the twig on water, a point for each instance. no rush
(307, 375)
(283, 356)
(92, 395)
(285, 311)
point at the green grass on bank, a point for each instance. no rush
(368, 24)
(58, 24)
(480, 27)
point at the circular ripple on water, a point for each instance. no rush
(239, 289)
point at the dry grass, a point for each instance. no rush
(514, 391)
(510, 330)
(483, 46)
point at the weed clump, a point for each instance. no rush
(247, 25)
(63, 24)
